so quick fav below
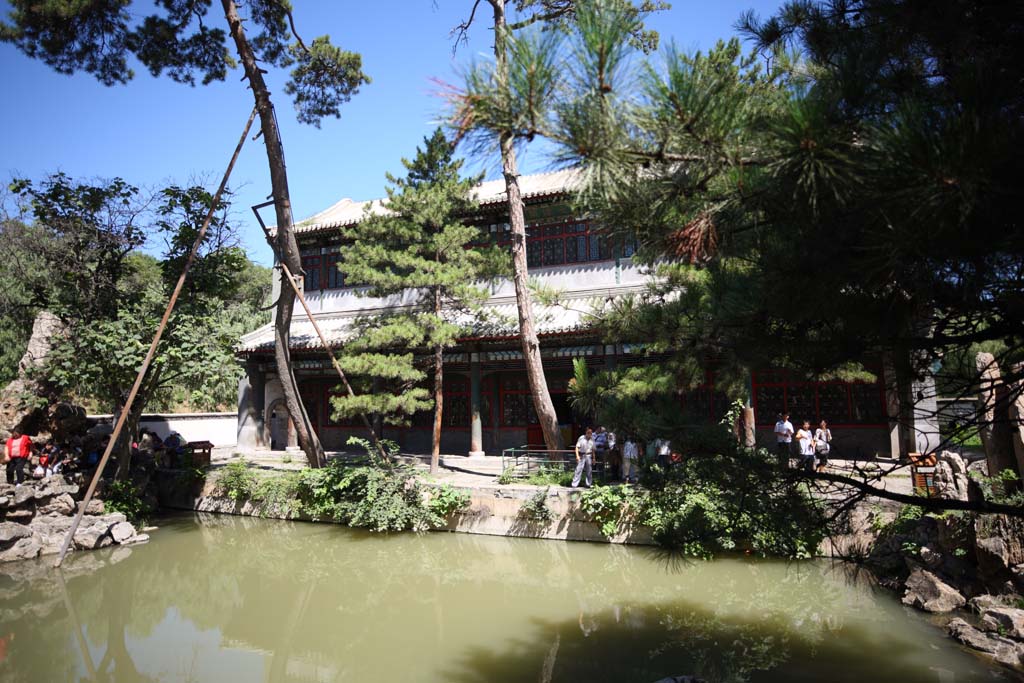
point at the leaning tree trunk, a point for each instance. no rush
(123, 448)
(542, 404)
(287, 249)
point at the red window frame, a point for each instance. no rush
(765, 416)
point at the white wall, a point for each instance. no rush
(218, 428)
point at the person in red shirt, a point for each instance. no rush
(16, 455)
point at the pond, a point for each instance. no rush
(220, 598)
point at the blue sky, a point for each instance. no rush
(154, 131)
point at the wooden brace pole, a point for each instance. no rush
(144, 368)
(334, 361)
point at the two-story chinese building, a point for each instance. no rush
(487, 406)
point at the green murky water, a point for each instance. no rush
(236, 599)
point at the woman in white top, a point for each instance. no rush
(823, 444)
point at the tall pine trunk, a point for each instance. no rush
(435, 446)
(286, 247)
(542, 404)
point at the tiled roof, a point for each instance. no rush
(489, 192)
(499, 320)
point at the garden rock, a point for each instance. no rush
(59, 505)
(981, 603)
(121, 532)
(1005, 620)
(930, 593)
(23, 494)
(993, 559)
(10, 532)
(1004, 651)
(23, 549)
(931, 559)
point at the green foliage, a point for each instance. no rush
(877, 139)
(237, 481)
(536, 509)
(124, 497)
(724, 496)
(445, 501)
(607, 504)
(379, 498)
(549, 476)
(278, 494)
(508, 476)
(421, 248)
(100, 37)
(1004, 488)
(78, 259)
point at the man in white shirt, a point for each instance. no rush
(630, 453)
(584, 458)
(783, 439)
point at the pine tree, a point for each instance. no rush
(422, 249)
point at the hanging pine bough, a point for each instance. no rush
(144, 368)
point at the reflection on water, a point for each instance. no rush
(229, 598)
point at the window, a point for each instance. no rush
(516, 402)
(559, 243)
(841, 403)
(311, 265)
(333, 275)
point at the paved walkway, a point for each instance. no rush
(463, 471)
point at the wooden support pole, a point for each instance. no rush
(144, 368)
(330, 354)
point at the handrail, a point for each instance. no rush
(524, 460)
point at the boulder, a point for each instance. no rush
(23, 549)
(121, 532)
(95, 507)
(1007, 621)
(1004, 651)
(931, 558)
(4, 502)
(138, 538)
(981, 603)
(10, 532)
(93, 536)
(930, 593)
(23, 494)
(21, 514)
(63, 504)
(993, 560)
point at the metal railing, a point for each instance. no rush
(522, 461)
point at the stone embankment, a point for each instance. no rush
(967, 567)
(493, 510)
(36, 516)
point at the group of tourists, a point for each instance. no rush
(20, 455)
(602, 446)
(812, 446)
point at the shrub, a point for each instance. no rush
(237, 481)
(536, 509)
(445, 501)
(731, 496)
(377, 497)
(278, 494)
(550, 476)
(508, 476)
(606, 505)
(123, 497)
